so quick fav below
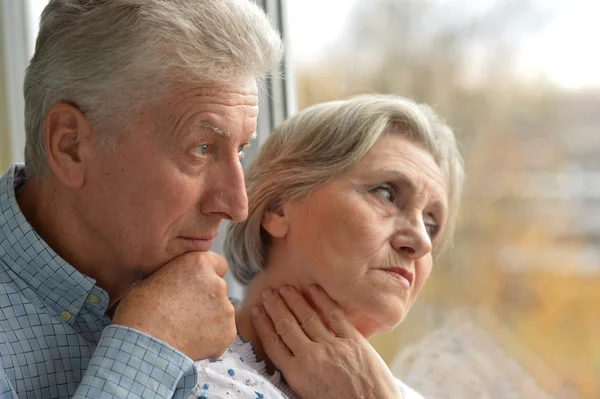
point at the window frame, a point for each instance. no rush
(277, 102)
(15, 44)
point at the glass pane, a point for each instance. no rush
(511, 311)
(34, 11)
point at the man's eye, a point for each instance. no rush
(241, 152)
(202, 149)
(386, 192)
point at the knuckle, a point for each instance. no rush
(194, 259)
(229, 311)
(205, 259)
(308, 320)
(283, 327)
(336, 315)
(270, 342)
(229, 334)
(221, 286)
(213, 258)
(218, 259)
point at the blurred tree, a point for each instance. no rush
(508, 254)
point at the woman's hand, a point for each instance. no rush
(320, 356)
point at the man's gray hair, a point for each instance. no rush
(322, 142)
(112, 57)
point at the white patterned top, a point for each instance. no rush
(239, 374)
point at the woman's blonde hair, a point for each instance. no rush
(322, 142)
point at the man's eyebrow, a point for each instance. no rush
(215, 129)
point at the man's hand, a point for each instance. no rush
(320, 356)
(185, 305)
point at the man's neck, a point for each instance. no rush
(55, 220)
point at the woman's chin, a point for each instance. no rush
(370, 324)
(394, 312)
(391, 325)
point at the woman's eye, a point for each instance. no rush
(386, 193)
(202, 149)
(431, 227)
(431, 230)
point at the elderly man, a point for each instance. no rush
(137, 112)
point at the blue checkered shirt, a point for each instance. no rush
(55, 340)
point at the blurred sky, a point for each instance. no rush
(565, 50)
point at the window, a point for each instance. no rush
(20, 19)
(512, 309)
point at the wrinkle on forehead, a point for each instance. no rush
(218, 95)
(209, 100)
(231, 95)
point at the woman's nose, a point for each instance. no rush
(411, 239)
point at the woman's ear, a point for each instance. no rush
(275, 222)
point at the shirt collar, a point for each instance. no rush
(58, 284)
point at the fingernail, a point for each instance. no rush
(267, 294)
(256, 312)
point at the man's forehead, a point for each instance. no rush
(247, 88)
(206, 125)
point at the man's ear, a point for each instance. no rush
(67, 134)
(275, 222)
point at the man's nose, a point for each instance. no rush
(227, 193)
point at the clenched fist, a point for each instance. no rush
(185, 305)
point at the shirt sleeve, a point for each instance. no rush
(129, 363)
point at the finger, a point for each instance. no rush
(285, 323)
(306, 316)
(218, 263)
(274, 347)
(334, 316)
(202, 262)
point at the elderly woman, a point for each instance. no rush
(349, 203)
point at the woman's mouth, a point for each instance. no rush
(402, 275)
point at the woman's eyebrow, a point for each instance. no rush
(440, 207)
(400, 177)
(405, 180)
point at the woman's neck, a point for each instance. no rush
(252, 298)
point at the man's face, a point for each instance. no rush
(175, 174)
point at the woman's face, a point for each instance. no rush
(366, 236)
